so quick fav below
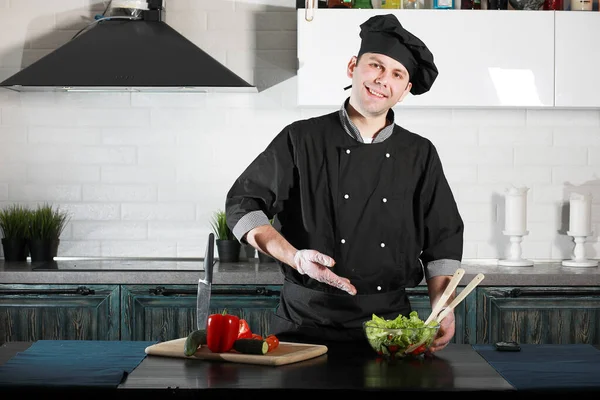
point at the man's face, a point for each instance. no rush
(379, 82)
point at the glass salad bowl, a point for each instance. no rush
(401, 337)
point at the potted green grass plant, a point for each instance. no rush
(46, 225)
(227, 245)
(14, 224)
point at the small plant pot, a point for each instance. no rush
(250, 252)
(229, 250)
(15, 249)
(263, 258)
(43, 249)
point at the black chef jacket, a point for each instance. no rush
(381, 210)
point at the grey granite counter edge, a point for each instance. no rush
(540, 274)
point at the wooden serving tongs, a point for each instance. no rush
(439, 305)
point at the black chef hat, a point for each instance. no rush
(383, 34)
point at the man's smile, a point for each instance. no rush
(376, 93)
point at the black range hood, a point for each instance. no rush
(142, 54)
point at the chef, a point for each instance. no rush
(361, 206)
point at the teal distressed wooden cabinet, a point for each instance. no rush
(552, 315)
(154, 312)
(56, 312)
(31, 312)
(165, 312)
(151, 312)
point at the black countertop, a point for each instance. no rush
(342, 369)
(343, 372)
(181, 272)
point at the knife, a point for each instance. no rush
(204, 285)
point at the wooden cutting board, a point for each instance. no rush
(285, 353)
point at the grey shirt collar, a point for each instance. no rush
(352, 130)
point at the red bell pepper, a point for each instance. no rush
(244, 332)
(221, 331)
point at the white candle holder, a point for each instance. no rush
(579, 259)
(515, 259)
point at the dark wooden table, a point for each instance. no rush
(344, 369)
(343, 373)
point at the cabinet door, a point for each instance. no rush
(539, 315)
(501, 58)
(168, 312)
(464, 313)
(59, 312)
(577, 59)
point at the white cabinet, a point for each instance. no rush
(485, 59)
(577, 59)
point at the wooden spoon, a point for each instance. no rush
(458, 274)
(474, 282)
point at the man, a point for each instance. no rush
(362, 207)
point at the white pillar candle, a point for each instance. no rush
(516, 210)
(580, 213)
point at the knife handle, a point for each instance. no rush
(209, 258)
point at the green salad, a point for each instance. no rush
(395, 342)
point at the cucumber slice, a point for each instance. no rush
(251, 346)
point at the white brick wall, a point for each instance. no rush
(141, 174)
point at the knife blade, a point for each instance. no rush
(204, 285)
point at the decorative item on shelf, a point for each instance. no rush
(362, 4)
(443, 4)
(497, 5)
(515, 226)
(391, 4)
(582, 5)
(526, 4)
(227, 245)
(339, 3)
(555, 5)
(309, 9)
(14, 225)
(46, 225)
(580, 227)
(412, 4)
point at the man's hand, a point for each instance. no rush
(445, 334)
(316, 265)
